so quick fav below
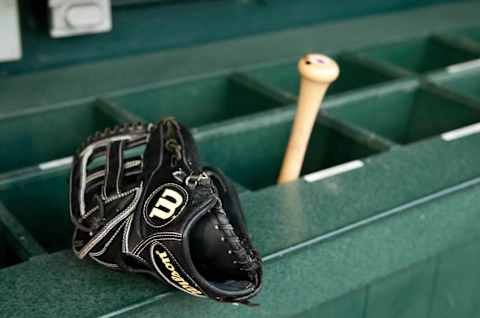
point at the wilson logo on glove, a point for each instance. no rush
(165, 204)
(163, 264)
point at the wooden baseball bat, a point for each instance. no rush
(317, 72)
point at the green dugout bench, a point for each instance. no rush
(385, 221)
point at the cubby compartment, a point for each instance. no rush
(252, 157)
(8, 256)
(40, 204)
(29, 139)
(464, 82)
(407, 114)
(197, 102)
(285, 78)
(418, 55)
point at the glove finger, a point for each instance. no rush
(114, 169)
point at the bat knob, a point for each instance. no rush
(318, 68)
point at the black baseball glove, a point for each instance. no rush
(141, 202)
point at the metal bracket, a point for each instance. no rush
(77, 17)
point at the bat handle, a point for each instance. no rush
(317, 73)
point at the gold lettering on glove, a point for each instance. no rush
(175, 276)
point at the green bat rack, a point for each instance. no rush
(394, 231)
